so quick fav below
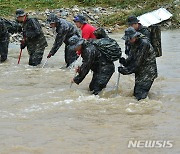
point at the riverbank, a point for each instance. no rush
(111, 15)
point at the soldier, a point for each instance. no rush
(65, 30)
(100, 33)
(92, 60)
(134, 22)
(33, 37)
(87, 29)
(4, 41)
(142, 62)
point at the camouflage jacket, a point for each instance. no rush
(142, 61)
(4, 35)
(91, 61)
(64, 30)
(33, 34)
(143, 30)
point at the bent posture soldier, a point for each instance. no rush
(86, 29)
(134, 22)
(33, 37)
(4, 40)
(142, 62)
(92, 60)
(65, 30)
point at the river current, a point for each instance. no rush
(41, 114)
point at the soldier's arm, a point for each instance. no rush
(88, 60)
(127, 48)
(60, 37)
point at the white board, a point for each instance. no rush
(154, 17)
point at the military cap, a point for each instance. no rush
(130, 33)
(80, 18)
(100, 33)
(20, 13)
(132, 20)
(75, 41)
(52, 18)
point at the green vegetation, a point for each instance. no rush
(8, 7)
(128, 7)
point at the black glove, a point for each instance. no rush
(121, 70)
(122, 60)
(49, 55)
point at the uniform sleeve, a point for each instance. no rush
(88, 60)
(60, 37)
(34, 30)
(127, 47)
(136, 62)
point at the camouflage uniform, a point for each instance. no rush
(95, 61)
(65, 30)
(34, 40)
(142, 62)
(4, 41)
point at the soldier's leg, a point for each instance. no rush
(36, 57)
(4, 50)
(103, 78)
(70, 55)
(141, 89)
(93, 82)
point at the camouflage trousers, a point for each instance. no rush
(70, 55)
(4, 50)
(101, 78)
(36, 57)
(141, 89)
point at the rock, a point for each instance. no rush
(75, 9)
(96, 10)
(96, 17)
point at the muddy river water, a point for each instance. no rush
(41, 114)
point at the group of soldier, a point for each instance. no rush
(141, 57)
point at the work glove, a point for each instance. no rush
(121, 70)
(49, 55)
(23, 44)
(122, 60)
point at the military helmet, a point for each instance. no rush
(100, 33)
(130, 33)
(20, 13)
(80, 18)
(132, 20)
(52, 18)
(75, 41)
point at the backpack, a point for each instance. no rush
(108, 47)
(155, 39)
(12, 26)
